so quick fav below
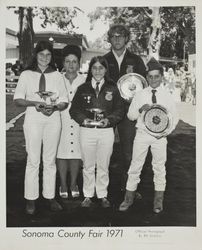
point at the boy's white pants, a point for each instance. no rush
(141, 144)
(96, 150)
(39, 130)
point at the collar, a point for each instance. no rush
(119, 59)
(157, 89)
(93, 82)
(121, 56)
(49, 69)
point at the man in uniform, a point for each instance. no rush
(121, 61)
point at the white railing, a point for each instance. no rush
(11, 83)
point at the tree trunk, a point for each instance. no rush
(25, 35)
(155, 34)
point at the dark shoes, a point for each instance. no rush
(131, 195)
(54, 205)
(138, 196)
(105, 203)
(128, 201)
(87, 202)
(30, 207)
(158, 201)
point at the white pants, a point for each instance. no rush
(141, 144)
(96, 150)
(41, 130)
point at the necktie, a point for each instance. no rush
(42, 83)
(97, 90)
(154, 96)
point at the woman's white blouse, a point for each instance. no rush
(28, 86)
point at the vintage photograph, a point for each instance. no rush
(100, 116)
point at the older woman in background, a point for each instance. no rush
(69, 155)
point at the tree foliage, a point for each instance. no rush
(177, 26)
(61, 16)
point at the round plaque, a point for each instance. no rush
(157, 120)
(129, 84)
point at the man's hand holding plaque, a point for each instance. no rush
(145, 107)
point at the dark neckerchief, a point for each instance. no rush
(42, 80)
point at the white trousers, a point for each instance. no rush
(46, 131)
(96, 150)
(141, 145)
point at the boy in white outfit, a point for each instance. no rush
(154, 94)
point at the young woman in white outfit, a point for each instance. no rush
(42, 124)
(69, 155)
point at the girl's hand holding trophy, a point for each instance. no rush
(49, 104)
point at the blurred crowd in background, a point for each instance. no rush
(179, 81)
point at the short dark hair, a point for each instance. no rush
(40, 46)
(119, 28)
(72, 50)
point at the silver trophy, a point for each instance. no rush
(98, 115)
(49, 97)
(129, 84)
(157, 120)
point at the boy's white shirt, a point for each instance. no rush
(164, 98)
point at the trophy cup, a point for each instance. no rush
(49, 97)
(97, 117)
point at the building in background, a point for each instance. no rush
(59, 40)
(12, 51)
